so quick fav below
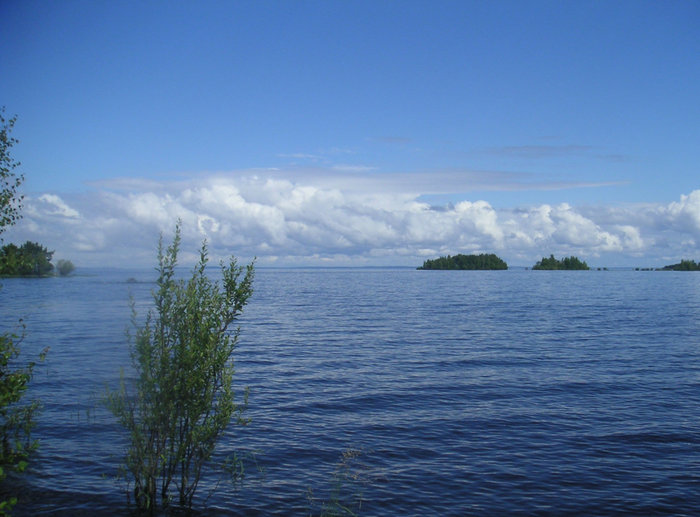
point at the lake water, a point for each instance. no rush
(468, 393)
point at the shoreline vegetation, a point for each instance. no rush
(17, 409)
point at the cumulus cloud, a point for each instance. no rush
(685, 214)
(378, 219)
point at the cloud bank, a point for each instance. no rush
(351, 219)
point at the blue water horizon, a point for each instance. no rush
(467, 393)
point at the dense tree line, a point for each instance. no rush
(570, 263)
(479, 262)
(683, 265)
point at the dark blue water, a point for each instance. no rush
(467, 393)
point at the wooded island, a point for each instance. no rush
(467, 262)
(30, 259)
(683, 265)
(567, 263)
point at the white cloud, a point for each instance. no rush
(58, 207)
(321, 217)
(685, 213)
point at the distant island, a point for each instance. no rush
(683, 265)
(31, 259)
(466, 262)
(567, 263)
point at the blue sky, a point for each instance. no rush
(357, 133)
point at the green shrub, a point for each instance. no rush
(64, 267)
(16, 416)
(183, 397)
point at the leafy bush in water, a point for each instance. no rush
(183, 398)
(16, 415)
(345, 497)
(64, 267)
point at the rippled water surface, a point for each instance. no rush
(468, 393)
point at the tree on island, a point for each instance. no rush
(567, 263)
(683, 265)
(30, 259)
(472, 262)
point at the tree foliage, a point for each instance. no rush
(182, 399)
(481, 262)
(569, 263)
(10, 199)
(16, 414)
(30, 259)
(683, 265)
(64, 267)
